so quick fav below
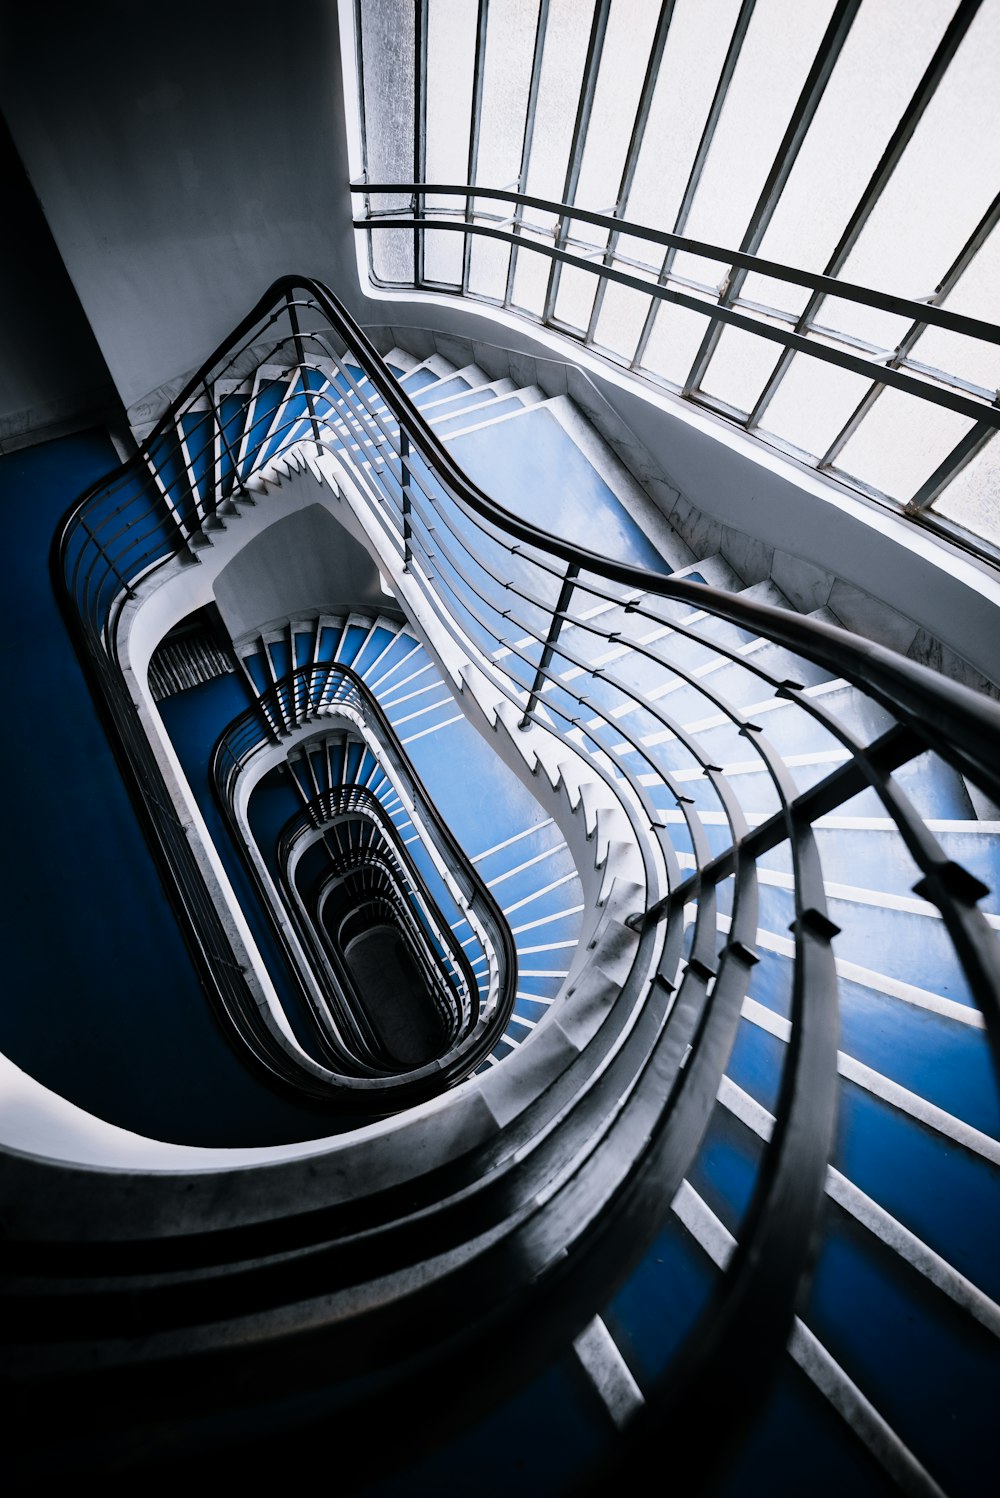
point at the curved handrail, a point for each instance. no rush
(984, 410)
(852, 291)
(720, 304)
(331, 686)
(582, 1228)
(959, 724)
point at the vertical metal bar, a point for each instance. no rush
(475, 125)
(359, 59)
(945, 286)
(529, 131)
(293, 319)
(698, 165)
(419, 132)
(237, 481)
(583, 113)
(961, 454)
(803, 114)
(632, 154)
(908, 121)
(405, 482)
(555, 628)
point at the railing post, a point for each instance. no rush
(562, 604)
(404, 460)
(293, 319)
(221, 427)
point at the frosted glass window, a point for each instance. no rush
(886, 51)
(900, 443)
(531, 277)
(451, 56)
(566, 37)
(443, 256)
(972, 499)
(813, 403)
(940, 188)
(739, 368)
(577, 289)
(392, 255)
(674, 341)
(631, 247)
(510, 45)
(976, 294)
(689, 72)
(387, 49)
(488, 264)
(627, 43)
(879, 331)
(776, 55)
(623, 316)
(387, 43)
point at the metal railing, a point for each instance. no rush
(721, 305)
(659, 683)
(311, 694)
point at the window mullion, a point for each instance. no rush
(803, 114)
(698, 165)
(529, 130)
(583, 113)
(475, 125)
(634, 147)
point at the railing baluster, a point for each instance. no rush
(555, 628)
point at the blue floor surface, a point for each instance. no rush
(85, 1012)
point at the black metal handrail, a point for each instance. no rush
(721, 304)
(448, 986)
(313, 692)
(451, 979)
(923, 312)
(640, 1118)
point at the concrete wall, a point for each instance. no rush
(306, 563)
(52, 376)
(185, 156)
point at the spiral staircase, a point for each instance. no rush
(683, 1151)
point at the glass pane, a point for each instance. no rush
(451, 57)
(566, 36)
(674, 341)
(813, 403)
(624, 56)
(776, 55)
(900, 443)
(739, 368)
(940, 188)
(488, 267)
(973, 498)
(392, 254)
(885, 53)
(531, 278)
(976, 294)
(387, 49)
(577, 289)
(629, 247)
(879, 331)
(689, 71)
(510, 45)
(443, 256)
(623, 315)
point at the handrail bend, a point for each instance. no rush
(532, 608)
